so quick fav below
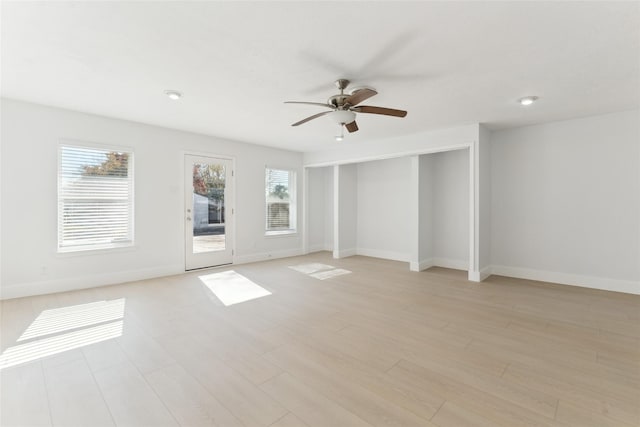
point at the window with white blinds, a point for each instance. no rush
(95, 198)
(280, 201)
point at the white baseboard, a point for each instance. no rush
(375, 253)
(603, 283)
(344, 253)
(486, 272)
(456, 264)
(43, 287)
(421, 266)
(265, 256)
(479, 276)
(316, 248)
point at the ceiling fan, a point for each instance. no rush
(345, 106)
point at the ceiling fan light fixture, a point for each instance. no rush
(527, 100)
(173, 94)
(342, 117)
(340, 135)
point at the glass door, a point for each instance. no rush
(208, 212)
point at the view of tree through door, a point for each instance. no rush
(208, 212)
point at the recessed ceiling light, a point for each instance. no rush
(528, 100)
(173, 94)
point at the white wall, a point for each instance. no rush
(483, 183)
(328, 208)
(320, 207)
(450, 209)
(384, 220)
(30, 137)
(566, 202)
(345, 184)
(422, 258)
(316, 206)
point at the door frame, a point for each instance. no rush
(181, 210)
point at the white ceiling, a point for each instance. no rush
(447, 63)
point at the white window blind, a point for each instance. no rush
(280, 201)
(95, 198)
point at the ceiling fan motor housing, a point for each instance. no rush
(338, 100)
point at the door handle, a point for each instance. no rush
(188, 218)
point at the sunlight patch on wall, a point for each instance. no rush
(319, 271)
(62, 329)
(233, 288)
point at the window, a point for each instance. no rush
(280, 190)
(95, 198)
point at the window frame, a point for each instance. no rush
(292, 190)
(127, 244)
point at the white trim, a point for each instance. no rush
(293, 200)
(181, 207)
(98, 252)
(266, 256)
(376, 253)
(196, 259)
(92, 144)
(486, 272)
(344, 253)
(131, 179)
(455, 264)
(396, 155)
(422, 265)
(280, 233)
(44, 287)
(593, 282)
(479, 276)
(474, 207)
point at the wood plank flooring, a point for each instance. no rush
(352, 342)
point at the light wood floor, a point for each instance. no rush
(366, 343)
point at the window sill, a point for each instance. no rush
(70, 252)
(281, 233)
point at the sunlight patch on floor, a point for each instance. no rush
(323, 275)
(73, 317)
(233, 288)
(58, 330)
(312, 267)
(319, 271)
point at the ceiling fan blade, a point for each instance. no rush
(351, 127)
(380, 110)
(360, 95)
(320, 104)
(315, 116)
